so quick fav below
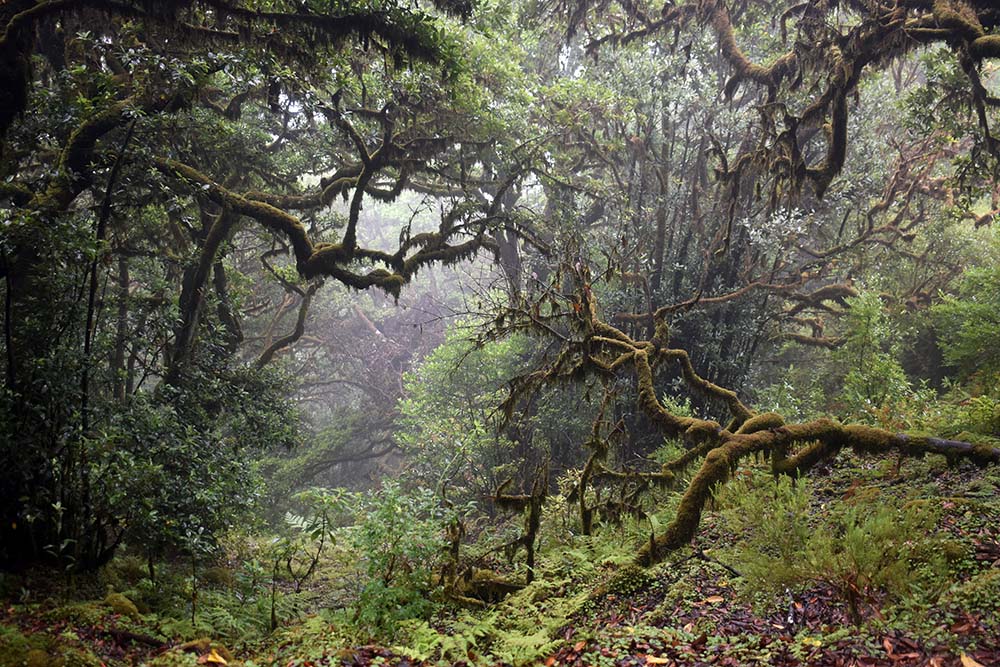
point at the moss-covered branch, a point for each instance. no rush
(531, 504)
(822, 439)
(833, 44)
(300, 328)
(292, 30)
(72, 173)
(606, 351)
(336, 259)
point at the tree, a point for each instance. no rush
(593, 347)
(138, 140)
(790, 159)
(805, 90)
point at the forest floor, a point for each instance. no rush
(708, 605)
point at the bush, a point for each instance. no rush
(400, 539)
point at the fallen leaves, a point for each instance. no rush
(711, 599)
(212, 658)
(970, 662)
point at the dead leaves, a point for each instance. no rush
(711, 599)
(212, 658)
(891, 645)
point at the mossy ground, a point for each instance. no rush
(587, 606)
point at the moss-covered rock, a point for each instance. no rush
(122, 605)
(627, 581)
(14, 646)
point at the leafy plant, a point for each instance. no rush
(399, 538)
(870, 351)
(866, 553)
(968, 323)
(297, 555)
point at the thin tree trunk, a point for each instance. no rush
(118, 373)
(8, 329)
(193, 294)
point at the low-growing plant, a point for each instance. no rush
(296, 554)
(868, 552)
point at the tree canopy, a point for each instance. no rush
(474, 261)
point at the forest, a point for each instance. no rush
(499, 333)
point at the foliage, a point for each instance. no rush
(967, 323)
(399, 538)
(453, 430)
(868, 554)
(204, 479)
(193, 193)
(449, 416)
(301, 552)
(870, 352)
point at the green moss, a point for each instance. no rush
(82, 613)
(14, 646)
(986, 47)
(984, 454)
(761, 422)
(953, 550)
(702, 431)
(122, 605)
(174, 659)
(714, 471)
(980, 593)
(869, 440)
(627, 581)
(38, 658)
(958, 18)
(72, 657)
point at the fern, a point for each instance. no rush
(424, 642)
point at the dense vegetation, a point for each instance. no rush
(451, 332)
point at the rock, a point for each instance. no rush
(122, 605)
(37, 658)
(14, 646)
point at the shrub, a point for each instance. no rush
(400, 539)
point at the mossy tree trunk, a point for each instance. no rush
(607, 352)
